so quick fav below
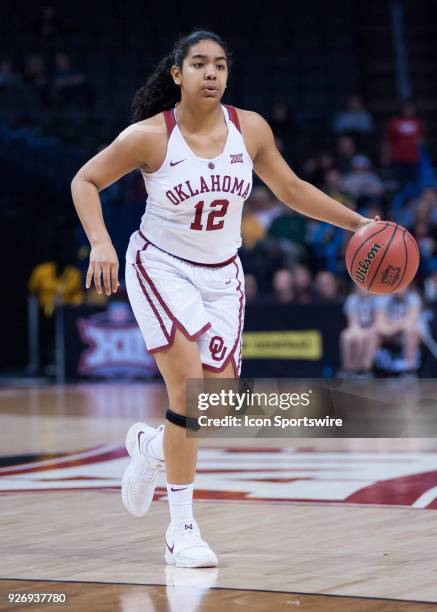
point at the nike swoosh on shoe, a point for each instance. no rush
(170, 549)
(140, 433)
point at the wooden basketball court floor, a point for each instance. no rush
(344, 525)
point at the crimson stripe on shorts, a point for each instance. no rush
(150, 301)
(143, 236)
(153, 307)
(154, 289)
(235, 367)
(240, 311)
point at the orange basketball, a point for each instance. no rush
(382, 257)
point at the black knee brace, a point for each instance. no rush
(181, 420)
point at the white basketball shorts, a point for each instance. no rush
(206, 304)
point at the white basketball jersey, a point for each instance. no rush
(194, 205)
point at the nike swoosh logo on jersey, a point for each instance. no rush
(170, 549)
(173, 489)
(176, 163)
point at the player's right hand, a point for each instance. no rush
(103, 263)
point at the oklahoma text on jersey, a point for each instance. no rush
(215, 182)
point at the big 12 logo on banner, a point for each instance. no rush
(115, 345)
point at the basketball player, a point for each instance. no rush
(359, 341)
(183, 274)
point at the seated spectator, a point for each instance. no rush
(354, 119)
(251, 229)
(405, 212)
(327, 245)
(264, 206)
(346, 151)
(304, 293)
(429, 195)
(397, 324)
(425, 210)
(424, 230)
(283, 126)
(372, 209)
(326, 287)
(289, 225)
(361, 181)
(333, 186)
(263, 261)
(401, 146)
(315, 168)
(283, 286)
(48, 24)
(359, 341)
(8, 78)
(430, 285)
(426, 237)
(35, 75)
(70, 85)
(328, 241)
(251, 287)
(54, 280)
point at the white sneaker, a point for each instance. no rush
(185, 547)
(139, 479)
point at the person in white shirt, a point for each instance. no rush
(359, 341)
(397, 322)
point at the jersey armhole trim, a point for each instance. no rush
(170, 121)
(233, 116)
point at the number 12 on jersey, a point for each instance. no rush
(213, 215)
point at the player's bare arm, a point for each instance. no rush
(138, 146)
(303, 197)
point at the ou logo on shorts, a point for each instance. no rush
(217, 348)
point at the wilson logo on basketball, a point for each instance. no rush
(364, 264)
(217, 348)
(390, 276)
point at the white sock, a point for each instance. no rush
(154, 447)
(180, 499)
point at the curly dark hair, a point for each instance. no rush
(160, 91)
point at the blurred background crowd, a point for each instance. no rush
(347, 115)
